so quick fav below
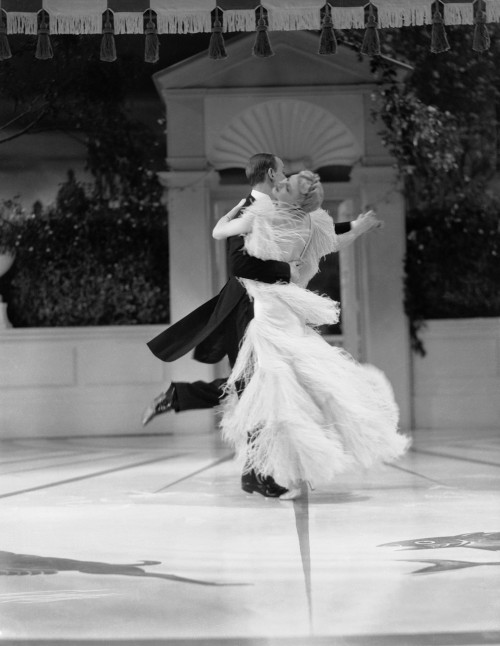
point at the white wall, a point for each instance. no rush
(457, 384)
(83, 381)
(96, 381)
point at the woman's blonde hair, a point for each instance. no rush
(311, 191)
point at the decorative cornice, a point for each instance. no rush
(186, 179)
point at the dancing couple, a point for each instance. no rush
(295, 409)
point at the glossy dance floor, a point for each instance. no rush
(150, 540)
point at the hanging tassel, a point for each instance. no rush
(439, 42)
(217, 49)
(371, 40)
(262, 46)
(43, 46)
(152, 42)
(5, 52)
(108, 47)
(327, 41)
(481, 41)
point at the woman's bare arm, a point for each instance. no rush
(227, 226)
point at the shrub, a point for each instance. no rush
(452, 262)
(445, 157)
(85, 261)
(11, 225)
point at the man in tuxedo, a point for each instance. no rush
(216, 329)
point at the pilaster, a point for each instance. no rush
(384, 326)
(187, 195)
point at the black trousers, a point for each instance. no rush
(202, 394)
(197, 394)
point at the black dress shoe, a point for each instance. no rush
(161, 404)
(265, 485)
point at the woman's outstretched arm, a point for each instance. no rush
(227, 226)
(363, 223)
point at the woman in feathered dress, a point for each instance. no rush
(308, 411)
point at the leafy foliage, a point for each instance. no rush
(441, 126)
(82, 262)
(11, 217)
(453, 262)
(99, 255)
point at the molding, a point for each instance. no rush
(186, 164)
(374, 173)
(91, 333)
(183, 179)
(334, 191)
(308, 90)
(460, 328)
(377, 161)
(429, 386)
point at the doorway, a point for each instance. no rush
(337, 277)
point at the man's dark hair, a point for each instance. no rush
(257, 167)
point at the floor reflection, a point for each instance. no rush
(226, 568)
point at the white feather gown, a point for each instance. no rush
(312, 411)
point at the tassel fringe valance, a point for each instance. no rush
(108, 46)
(439, 41)
(83, 17)
(217, 49)
(458, 13)
(76, 24)
(262, 46)
(371, 39)
(286, 20)
(328, 40)
(403, 13)
(128, 23)
(152, 42)
(43, 45)
(481, 41)
(193, 16)
(492, 10)
(239, 20)
(22, 23)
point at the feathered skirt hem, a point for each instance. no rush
(297, 408)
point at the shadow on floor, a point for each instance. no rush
(12, 564)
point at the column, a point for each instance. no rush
(190, 248)
(384, 326)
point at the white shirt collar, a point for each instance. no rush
(258, 195)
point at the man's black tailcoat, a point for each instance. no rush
(216, 328)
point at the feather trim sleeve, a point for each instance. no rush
(278, 231)
(282, 232)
